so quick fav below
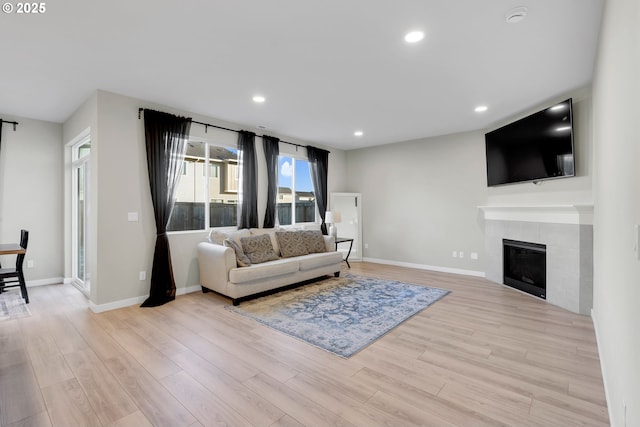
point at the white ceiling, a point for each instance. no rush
(327, 68)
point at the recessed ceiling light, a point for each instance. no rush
(414, 36)
(259, 99)
(358, 133)
(515, 15)
(481, 108)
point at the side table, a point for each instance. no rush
(344, 240)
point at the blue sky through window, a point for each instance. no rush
(285, 174)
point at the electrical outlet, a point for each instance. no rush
(454, 254)
(29, 263)
(143, 275)
(461, 254)
(474, 255)
(366, 246)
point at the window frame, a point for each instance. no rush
(207, 175)
(294, 192)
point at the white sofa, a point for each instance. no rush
(219, 270)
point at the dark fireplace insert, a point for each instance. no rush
(525, 267)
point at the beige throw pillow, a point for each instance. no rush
(258, 248)
(291, 243)
(242, 260)
(313, 241)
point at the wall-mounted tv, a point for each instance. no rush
(535, 148)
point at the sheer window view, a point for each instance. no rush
(202, 189)
(296, 199)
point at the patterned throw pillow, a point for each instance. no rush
(291, 243)
(258, 248)
(242, 260)
(313, 241)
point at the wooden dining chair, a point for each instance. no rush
(12, 277)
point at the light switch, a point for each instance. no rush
(132, 216)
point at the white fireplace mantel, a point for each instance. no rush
(558, 214)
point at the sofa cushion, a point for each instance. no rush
(242, 260)
(291, 243)
(258, 248)
(313, 241)
(263, 271)
(309, 262)
(272, 234)
(218, 236)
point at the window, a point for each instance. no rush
(208, 188)
(81, 154)
(296, 199)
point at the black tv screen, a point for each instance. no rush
(535, 148)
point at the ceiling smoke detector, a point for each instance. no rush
(515, 15)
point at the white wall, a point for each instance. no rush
(31, 182)
(616, 91)
(122, 248)
(420, 199)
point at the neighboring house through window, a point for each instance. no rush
(208, 188)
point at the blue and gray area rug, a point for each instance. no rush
(12, 306)
(341, 315)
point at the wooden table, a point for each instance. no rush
(11, 249)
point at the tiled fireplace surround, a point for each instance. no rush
(566, 230)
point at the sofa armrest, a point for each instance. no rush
(329, 243)
(215, 262)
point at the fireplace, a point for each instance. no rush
(525, 267)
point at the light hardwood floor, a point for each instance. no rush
(485, 355)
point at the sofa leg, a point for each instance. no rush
(337, 274)
(205, 290)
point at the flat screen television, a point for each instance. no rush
(535, 148)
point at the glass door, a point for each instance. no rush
(80, 180)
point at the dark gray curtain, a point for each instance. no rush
(271, 147)
(166, 138)
(248, 215)
(319, 165)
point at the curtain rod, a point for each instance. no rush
(13, 123)
(208, 125)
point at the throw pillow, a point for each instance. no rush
(258, 248)
(313, 241)
(242, 260)
(272, 234)
(291, 243)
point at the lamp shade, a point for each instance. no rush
(332, 217)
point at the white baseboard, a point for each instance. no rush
(43, 282)
(602, 368)
(427, 267)
(99, 308)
